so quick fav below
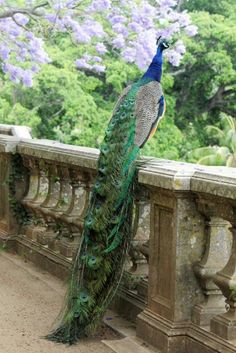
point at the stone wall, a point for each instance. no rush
(180, 278)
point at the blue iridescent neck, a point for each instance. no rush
(155, 68)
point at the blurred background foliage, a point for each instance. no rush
(75, 106)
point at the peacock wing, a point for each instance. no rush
(146, 110)
(121, 98)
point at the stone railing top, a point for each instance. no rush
(55, 151)
(15, 130)
(8, 144)
(219, 181)
(153, 172)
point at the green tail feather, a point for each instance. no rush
(98, 266)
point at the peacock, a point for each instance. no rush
(107, 232)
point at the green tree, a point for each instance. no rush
(205, 84)
(75, 106)
(223, 154)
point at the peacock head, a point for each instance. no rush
(162, 43)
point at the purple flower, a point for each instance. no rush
(119, 42)
(167, 3)
(21, 19)
(120, 29)
(35, 68)
(98, 68)
(4, 52)
(81, 36)
(87, 57)
(27, 78)
(15, 31)
(173, 57)
(97, 59)
(134, 26)
(129, 54)
(191, 30)
(93, 28)
(100, 5)
(51, 17)
(101, 49)
(116, 19)
(131, 27)
(29, 35)
(184, 19)
(180, 47)
(82, 64)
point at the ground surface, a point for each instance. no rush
(29, 302)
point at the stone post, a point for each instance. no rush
(8, 223)
(224, 325)
(176, 242)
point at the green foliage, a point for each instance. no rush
(225, 153)
(74, 106)
(206, 84)
(16, 175)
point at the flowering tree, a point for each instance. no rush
(127, 27)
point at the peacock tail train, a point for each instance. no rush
(97, 267)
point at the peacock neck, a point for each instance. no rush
(155, 68)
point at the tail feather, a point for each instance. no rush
(98, 266)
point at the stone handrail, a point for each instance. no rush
(15, 130)
(188, 210)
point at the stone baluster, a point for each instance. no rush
(141, 229)
(49, 235)
(136, 264)
(33, 185)
(77, 227)
(4, 171)
(78, 196)
(42, 190)
(215, 257)
(65, 192)
(88, 182)
(32, 194)
(224, 325)
(71, 232)
(52, 197)
(73, 216)
(34, 204)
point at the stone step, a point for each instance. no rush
(122, 326)
(128, 345)
(129, 342)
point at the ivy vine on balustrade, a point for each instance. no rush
(17, 175)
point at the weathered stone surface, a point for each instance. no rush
(8, 144)
(55, 151)
(218, 248)
(219, 181)
(183, 198)
(15, 130)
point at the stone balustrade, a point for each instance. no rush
(180, 279)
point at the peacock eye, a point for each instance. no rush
(84, 297)
(104, 149)
(88, 222)
(93, 259)
(102, 169)
(97, 207)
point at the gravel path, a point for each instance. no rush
(29, 302)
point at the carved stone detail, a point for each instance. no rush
(216, 255)
(224, 325)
